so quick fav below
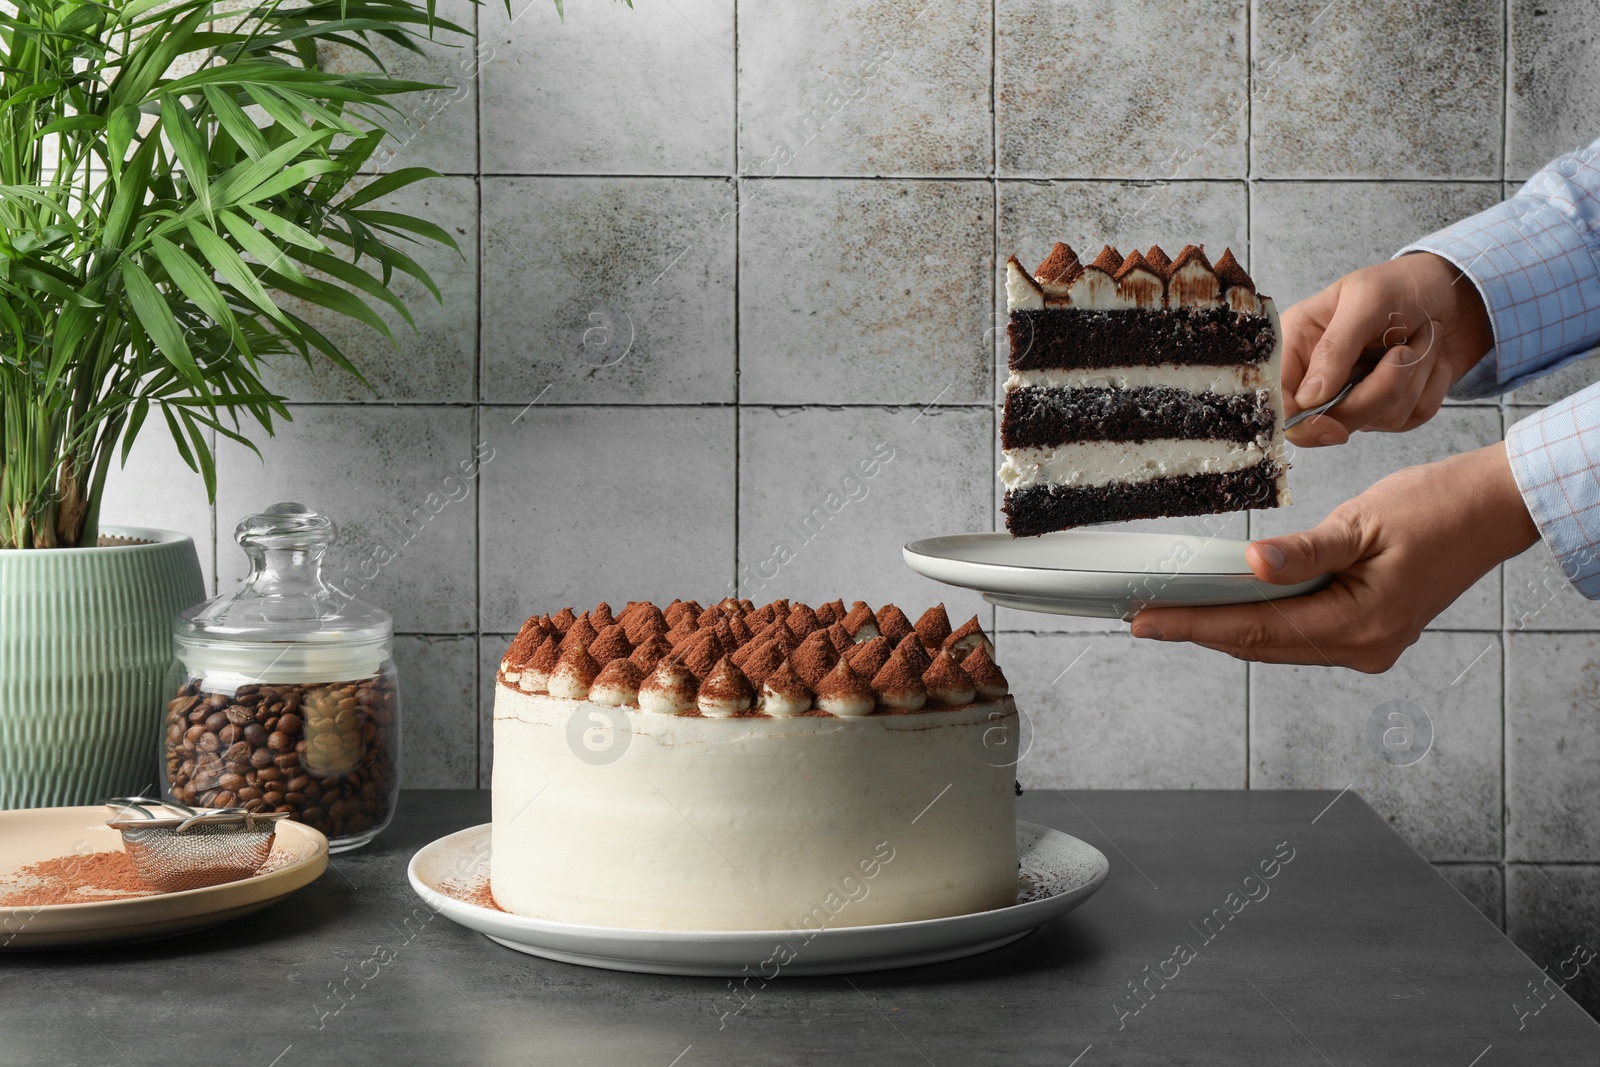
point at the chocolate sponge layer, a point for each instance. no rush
(1040, 417)
(1136, 337)
(1043, 508)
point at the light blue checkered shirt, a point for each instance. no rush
(1536, 260)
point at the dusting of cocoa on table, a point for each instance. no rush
(84, 879)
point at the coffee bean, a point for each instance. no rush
(321, 753)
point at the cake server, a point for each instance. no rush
(1301, 416)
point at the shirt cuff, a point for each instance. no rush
(1532, 261)
(1550, 453)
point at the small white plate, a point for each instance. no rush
(27, 836)
(1058, 873)
(1103, 574)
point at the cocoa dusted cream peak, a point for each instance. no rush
(1149, 279)
(733, 659)
(617, 683)
(783, 693)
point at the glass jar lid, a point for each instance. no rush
(284, 623)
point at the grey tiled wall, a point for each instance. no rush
(708, 268)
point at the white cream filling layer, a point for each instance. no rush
(1090, 463)
(1230, 380)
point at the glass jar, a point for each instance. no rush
(286, 691)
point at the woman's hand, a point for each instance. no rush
(1400, 554)
(1414, 325)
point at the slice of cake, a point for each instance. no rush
(745, 768)
(1141, 386)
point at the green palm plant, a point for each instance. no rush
(170, 172)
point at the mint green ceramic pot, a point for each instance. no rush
(85, 659)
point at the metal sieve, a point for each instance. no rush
(194, 847)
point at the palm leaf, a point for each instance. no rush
(207, 172)
(157, 320)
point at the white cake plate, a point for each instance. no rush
(1058, 873)
(1103, 574)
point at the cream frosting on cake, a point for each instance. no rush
(744, 768)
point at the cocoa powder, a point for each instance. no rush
(83, 879)
(475, 892)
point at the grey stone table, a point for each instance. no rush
(1353, 952)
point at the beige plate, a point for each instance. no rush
(299, 856)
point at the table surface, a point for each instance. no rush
(1354, 952)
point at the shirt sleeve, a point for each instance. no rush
(1555, 458)
(1535, 259)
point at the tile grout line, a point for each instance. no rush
(738, 356)
(1505, 739)
(1249, 257)
(994, 255)
(216, 577)
(885, 405)
(1249, 101)
(1033, 179)
(1505, 93)
(477, 406)
(1505, 634)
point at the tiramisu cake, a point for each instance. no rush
(752, 768)
(1140, 386)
